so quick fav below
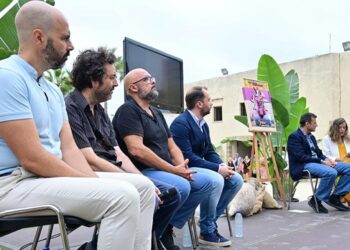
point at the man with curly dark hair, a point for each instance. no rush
(94, 78)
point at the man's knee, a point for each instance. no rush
(345, 168)
(146, 182)
(125, 192)
(331, 173)
(236, 181)
(217, 180)
(118, 198)
(206, 183)
(183, 188)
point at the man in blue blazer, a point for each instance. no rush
(191, 135)
(304, 153)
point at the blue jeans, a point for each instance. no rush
(164, 212)
(216, 202)
(191, 193)
(328, 175)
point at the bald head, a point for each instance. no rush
(36, 15)
(133, 76)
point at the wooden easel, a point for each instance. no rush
(265, 138)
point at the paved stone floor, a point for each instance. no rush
(298, 228)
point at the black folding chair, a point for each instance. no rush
(39, 216)
(293, 185)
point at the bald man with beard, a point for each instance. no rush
(40, 162)
(142, 133)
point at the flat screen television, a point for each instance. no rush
(167, 69)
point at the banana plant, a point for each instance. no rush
(9, 40)
(62, 78)
(286, 103)
(287, 107)
(8, 36)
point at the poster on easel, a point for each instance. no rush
(258, 106)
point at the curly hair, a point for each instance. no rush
(89, 65)
(334, 131)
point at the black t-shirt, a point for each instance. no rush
(89, 130)
(131, 119)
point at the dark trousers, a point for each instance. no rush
(164, 212)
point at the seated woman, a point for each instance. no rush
(336, 145)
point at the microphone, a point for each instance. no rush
(168, 194)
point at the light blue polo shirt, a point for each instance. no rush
(23, 97)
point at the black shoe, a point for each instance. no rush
(321, 208)
(334, 201)
(294, 199)
(168, 240)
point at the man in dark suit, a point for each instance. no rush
(304, 154)
(191, 134)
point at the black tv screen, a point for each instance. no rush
(167, 69)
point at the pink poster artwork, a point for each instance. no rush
(258, 106)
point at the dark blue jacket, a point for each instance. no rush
(299, 153)
(194, 144)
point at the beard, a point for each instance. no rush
(102, 96)
(150, 96)
(205, 112)
(53, 58)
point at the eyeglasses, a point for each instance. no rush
(148, 79)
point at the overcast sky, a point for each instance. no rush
(210, 35)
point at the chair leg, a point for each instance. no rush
(95, 234)
(63, 231)
(48, 237)
(36, 237)
(193, 231)
(292, 189)
(154, 241)
(314, 191)
(228, 222)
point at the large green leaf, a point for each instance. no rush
(280, 112)
(293, 80)
(281, 165)
(62, 78)
(297, 109)
(270, 72)
(4, 3)
(277, 137)
(8, 35)
(242, 119)
(4, 53)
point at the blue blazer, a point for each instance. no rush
(194, 144)
(299, 153)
